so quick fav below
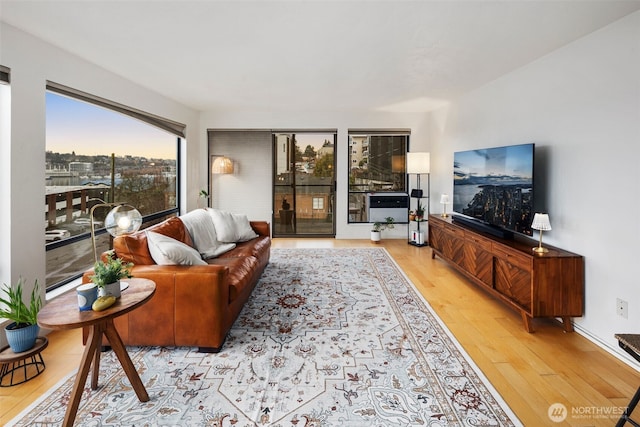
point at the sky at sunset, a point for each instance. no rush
(90, 130)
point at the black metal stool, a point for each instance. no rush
(18, 368)
(631, 344)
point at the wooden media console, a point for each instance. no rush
(536, 285)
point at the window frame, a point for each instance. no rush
(359, 210)
(172, 127)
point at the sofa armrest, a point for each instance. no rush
(189, 301)
(263, 228)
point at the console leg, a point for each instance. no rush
(527, 322)
(568, 325)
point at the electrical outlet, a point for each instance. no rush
(622, 308)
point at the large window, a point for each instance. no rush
(377, 163)
(98, 151)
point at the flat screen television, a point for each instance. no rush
(493, 188)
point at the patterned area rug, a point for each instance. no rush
(330, 337)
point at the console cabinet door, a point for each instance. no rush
(513, 276)
(478, 259)
(436, 236)
(453, 244)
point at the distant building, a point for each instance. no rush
(81, 168)
(327, 148)
(359, 146)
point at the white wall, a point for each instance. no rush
(258, 184)
(32, 63)
(581, 106)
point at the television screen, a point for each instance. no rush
(495, 186)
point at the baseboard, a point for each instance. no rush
(614, 351)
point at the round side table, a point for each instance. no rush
(18, 368)
(62, 313)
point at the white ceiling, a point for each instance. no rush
(406, 56)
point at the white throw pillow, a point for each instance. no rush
(200, 226)
(168, 251)
(231, 227)
(244, 232)
(218, 250)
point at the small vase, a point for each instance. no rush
(375, 236)
(112, 289)
(21, 339)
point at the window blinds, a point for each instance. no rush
(157, 121)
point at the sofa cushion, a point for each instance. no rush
(200, 226)
(256, 248)
(167, 251)
(134, 248)
(231, 227)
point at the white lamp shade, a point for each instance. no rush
(123, 219)
(541, 222)
(444, 199)
(222, 165)
(418, 163)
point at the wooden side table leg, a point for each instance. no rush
(99, 328)
(120, 351)
(95, 336)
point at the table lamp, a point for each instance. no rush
(444, 199)
(541, 223)
(122, 219)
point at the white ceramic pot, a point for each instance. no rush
(375, 236)
(111, 289)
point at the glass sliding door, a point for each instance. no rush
(304, 184)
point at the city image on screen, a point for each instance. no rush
(495, 186)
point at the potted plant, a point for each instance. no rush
(204, 196)
(376, 231)
(107, 275)
(23, 331)
(419, 211)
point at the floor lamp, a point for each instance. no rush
(418, 164)
(220, 165)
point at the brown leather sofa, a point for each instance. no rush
(193, 305)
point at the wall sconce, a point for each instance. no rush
(541, 223)
(444, 199)
(222, 165)
(122, 219)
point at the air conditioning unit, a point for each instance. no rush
(383, 205)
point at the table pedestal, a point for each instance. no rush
(92, 354)
(62, 313)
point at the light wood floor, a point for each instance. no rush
(530, 371)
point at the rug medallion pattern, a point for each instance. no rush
(329, 337)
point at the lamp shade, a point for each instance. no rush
(444, 199)
(418, 163)
(541, 222)
(122, 219)
(222, 165)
